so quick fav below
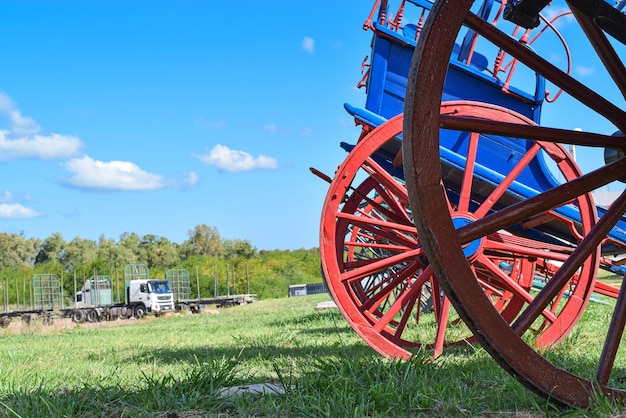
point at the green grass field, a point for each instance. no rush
(178, 365)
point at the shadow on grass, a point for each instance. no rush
(333, 386)
(321, 377)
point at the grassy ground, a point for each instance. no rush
(177, 366)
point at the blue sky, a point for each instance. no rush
(153, 116)
(157, 116)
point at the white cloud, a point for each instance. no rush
(308, 44)
(90, 174)
(6, 197)
(191, 179)
(15, 210)
(20, 125)
(584, 71)
(9, 209)
(306, 131)
(270, 127)
(231, 160)
(558, 11)
(22, 139)
(42, 147)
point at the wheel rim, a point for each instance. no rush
(370, 251)
(428, 200)
(374, 265)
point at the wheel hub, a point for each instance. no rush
(473, 248)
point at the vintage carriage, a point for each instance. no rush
(459, 214)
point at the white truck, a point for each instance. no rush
(94, 302)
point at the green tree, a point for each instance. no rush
(166, 255)
(158, 252)
(203, 240)
(128, 249)
(239, 248)
(17, 251)
(79, 254)
(107, 258)
(51, 249)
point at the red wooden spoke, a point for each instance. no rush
(468, 174)
(386, 179)
(381, 291)
(513, 286)
(532, 132)
(443, 326)
(406, 316)
(499, 191)
(540, 65)
(525, 248)
(543, 202)
(380, 264)
(612, 342)
(373, 224)
(389, 186)
(407, 294)
(604, 49)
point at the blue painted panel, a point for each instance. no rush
(391, 55)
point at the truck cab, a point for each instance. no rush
(150, 295)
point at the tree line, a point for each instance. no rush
(17, 251)
(204, 254)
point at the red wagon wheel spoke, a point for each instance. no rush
(375, 266)
(543, 202)
(611, 344)
(538, 64)
(604, 49)
(507, 181)
(534, 132)
(577, 258)
(468, 175)
(573, 249)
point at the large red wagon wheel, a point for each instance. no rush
(376, 269)
(444, 240)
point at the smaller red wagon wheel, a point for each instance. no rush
(376, 269)
(371, 256)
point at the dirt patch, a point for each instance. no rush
(63, 324)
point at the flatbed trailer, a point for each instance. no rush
(180, 282)
(196, 305)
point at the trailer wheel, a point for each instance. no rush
(5, 321)
(48, 319)
(28, 319)
(92, 315)
(78, 316)
(140, 311)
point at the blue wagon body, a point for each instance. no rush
(392, 49)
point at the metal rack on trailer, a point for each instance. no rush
(45, 305)
(180, 282)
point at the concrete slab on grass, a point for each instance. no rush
(255, 389)
(325, 305)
